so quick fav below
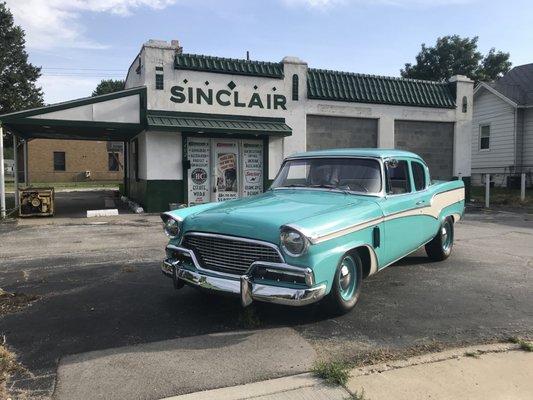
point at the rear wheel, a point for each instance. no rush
(441, 245)
(346, 286)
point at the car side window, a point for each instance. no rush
(419, 175)
(398, 177)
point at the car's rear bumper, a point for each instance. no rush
(242, 286)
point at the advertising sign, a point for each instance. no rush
(252, 159)
(198, 154)
(226, 155)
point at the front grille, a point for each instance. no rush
(229, 255)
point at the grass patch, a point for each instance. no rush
(71, 185)
(249, 318)
(13, 302)
(8, 366)
(524, 344)
(502, 197)
(333, 372)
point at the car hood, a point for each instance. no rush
(260, 217)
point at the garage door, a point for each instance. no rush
(340, 132)
(433, 141)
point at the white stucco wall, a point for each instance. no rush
(294, 115)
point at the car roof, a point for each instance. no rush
(374, 153)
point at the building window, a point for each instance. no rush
(465, 104)
(59, 161)
(484, 137)
(112, 162)
(419, 175)
(295, 85)
(159, 85)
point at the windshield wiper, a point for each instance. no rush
(324, 186)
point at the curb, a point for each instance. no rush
(308, 386)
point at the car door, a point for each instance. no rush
(402, 234)
(427, 224)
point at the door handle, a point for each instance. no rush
(420, 202)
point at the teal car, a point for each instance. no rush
(330, 219)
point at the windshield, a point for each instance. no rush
(347, 174)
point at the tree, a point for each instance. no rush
(18, 89)
(108, 86)
(454, 55)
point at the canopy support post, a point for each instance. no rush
(16, 170)
(125, 156)
(25, 151)
(2, 178)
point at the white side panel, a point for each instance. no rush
(81, 113)
(164, 156)
(124, 109)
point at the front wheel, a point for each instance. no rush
(346, 286)
(441, 245)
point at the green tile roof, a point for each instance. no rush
(190, 122)
(198, 62)
(345, 86)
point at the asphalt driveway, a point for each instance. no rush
(100, 288)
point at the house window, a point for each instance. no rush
(59, 161)
(465, 104)
(419, 175)
(112, 162)
(484, 137)
(295, 85)
(159, 85)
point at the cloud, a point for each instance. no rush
(325, 4)
(63, 88)
(51, 24)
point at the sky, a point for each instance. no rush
(79, 42)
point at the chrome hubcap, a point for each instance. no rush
(446, 236)
(347, 278)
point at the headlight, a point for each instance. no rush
(293, 242)
(171, 227)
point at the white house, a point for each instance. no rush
(502, 124)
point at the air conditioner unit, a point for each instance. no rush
(36, 202)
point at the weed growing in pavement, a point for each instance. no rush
(473, 354)
(8, 366)
(524, 344)
(333, 372)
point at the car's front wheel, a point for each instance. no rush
(346, 286)
(441, 245)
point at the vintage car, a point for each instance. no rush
(330, 219)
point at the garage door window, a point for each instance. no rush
(484, 137)
(419, 175)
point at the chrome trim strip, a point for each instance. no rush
(245, 288)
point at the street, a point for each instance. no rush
(100, 289)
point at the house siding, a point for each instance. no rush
(490, 109)
(527, 155)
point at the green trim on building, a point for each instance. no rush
(156, 195)
(234, 66)
(360, 88)
(215, 123)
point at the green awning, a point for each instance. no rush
(216, 123)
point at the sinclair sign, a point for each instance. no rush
(227, 98)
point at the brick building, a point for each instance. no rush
(51, 160)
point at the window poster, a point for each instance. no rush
(226, 156)
(252, 169)
(198, 154)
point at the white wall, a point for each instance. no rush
(164, 155)
(490, 109)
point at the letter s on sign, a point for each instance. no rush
(177, 94)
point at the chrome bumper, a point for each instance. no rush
(242, 286)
